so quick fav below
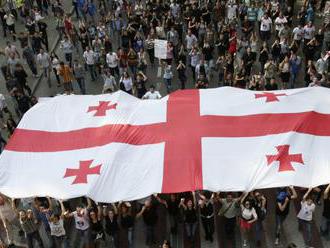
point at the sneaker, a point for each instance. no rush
(277, 241)
(244, 243)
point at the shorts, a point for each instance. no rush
(244, 224)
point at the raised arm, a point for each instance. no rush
(294, 193)
(306, 194)
(89, 202)
(50, 204)
(64, 212)
(243, 197)
(181, 204)
(326, 192)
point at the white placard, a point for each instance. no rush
(160, 49)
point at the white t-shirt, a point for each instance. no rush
(82, 222)
(248, 214)
(306, 211)
(152, 95)
(89, 57)
(231, 11)
(298, 33)
(309, 32)
(128, 83)
(279, 23)
(112, 60)
(43, 60)
(266, 24)
(57, 229)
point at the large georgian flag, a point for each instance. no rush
(116, 147)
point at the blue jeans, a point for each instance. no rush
(168, 84)
(279, 222)
(306, 226)
(191, 230)
(92, 72)
(258, 229)
(325, 226)
(30, 237)
(130, 237)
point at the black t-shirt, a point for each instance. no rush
(127, 221)
(150, 216)
(111, 226)
(326, 208)
(173, 207)
(190, 215)
(285, 212)
(207, 210)
(96, 227)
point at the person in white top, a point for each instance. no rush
(232, 11)
(280, 21)
(265, 27)
(112, 61)
(248, 217)
(44, 61)
(81, 223)
(309, 32)
(191, 40)
(11, 49)
(56, 224)
(89, 57)
(298, 34)
(110, 84)
(305, 216)
(126, 83)
(152, 94)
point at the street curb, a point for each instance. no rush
(36, 84)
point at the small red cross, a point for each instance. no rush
(102, 108)
(284, 158)
(84, 170)
(270, 97)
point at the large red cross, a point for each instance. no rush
(270, 97)
(182, 134)
(84, 170)
(284, 158)
(102, 108)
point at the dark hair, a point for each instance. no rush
(292, 245)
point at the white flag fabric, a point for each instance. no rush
(116, 147)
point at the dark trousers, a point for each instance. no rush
(30, 237)
(150, 234)
(230, 224)
(151, 53)
(92, 71)
(208, 225)
(81, 84)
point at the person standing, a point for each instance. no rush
(284, 196)
(44, 61)
(248, 217)
(79, 74)
(229, 210)
(111, 224)
(305, 217)
(325, 223)
(190, 217)
(89, 57)
(67, 48)
(29, 225)
(207, 214)
(168, 75)
(112, 62)
(82, 223)
(150, 218)
(66, 73)
(29, 57)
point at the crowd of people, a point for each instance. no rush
(101, 225)
(250, 44)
